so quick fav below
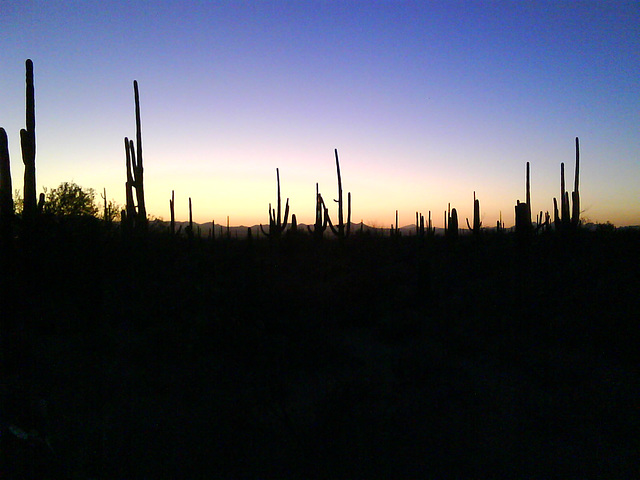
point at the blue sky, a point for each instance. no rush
(426, 102)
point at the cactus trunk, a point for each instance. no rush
(341, 232)
(6, 191)
(138, 166)
(28, 144)
(172, 208)
(575, 216)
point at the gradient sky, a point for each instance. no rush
(426, 103)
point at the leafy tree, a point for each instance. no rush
(71, 199)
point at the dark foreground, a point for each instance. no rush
(376, 358)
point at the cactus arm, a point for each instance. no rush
(282, 226)
(333, 229)
(130, 208)
(327, 218)
(325, 210)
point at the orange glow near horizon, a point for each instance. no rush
(451, 99)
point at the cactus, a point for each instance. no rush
(556, 214)
(568, 217)
(565, 219)
(190, 227)
(451, 222)
(395, 232)
(137, 217)
(172, 209)
(322, 217)
(420, 232)
(277, 224)
(130, 209)
(575, 195)
(28, 144)
(6, 200)
(523, 210)
(137, 166)
(477, 224)
(341, 232)
(420, 226)
(523, 221)
(431, 230)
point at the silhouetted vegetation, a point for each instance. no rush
(71, 199)
(163, 354)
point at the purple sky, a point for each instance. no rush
(426, 102)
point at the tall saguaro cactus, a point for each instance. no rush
(277, 224)
(322, 217)
(569, 216)
(135, 172)
(477, 224)
(341, 232)
(6, 200)
(523, 210)
(575, 195)
(137, 166)
(172, 208)
(451, 222)
(28, 144)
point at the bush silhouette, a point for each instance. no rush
(71, 199)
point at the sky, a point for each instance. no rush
(427, 102)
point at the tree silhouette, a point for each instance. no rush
(71, 199)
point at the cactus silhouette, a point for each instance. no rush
(341, 232)
(420, 226)
(477, 224)
(135, 217)
(575, 195)
(568, 217)
(172, 209)
(451, 222)
(322, 217)
(523, 210)
(395, 232)
(130, 208)
(6, 200)
(189, 228)
(277, 224)
(28, 144)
